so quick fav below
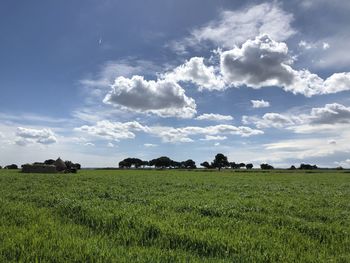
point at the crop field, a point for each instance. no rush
(175, 216)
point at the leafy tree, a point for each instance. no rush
(189, 164)
(175, 164)
(220, 161)
(161, 162)
(241, 165)
(233, 165)
(249, 166)
(307, 167)
(265, 166)
(124, 164)
(11, 167)
(129, 162)
(205, 165)
(78, 166)
(292, 167)
(0, 167)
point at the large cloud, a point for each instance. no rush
(118, 130)
(264, 62)
(235, 27)
(113, 130)
(174, 135)
(42, 136)
(165, 98)
(195, 71)
(214, 117)
(328, 118)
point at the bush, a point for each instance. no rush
(11, 167)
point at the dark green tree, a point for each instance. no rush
(249, 166)
(220, 161)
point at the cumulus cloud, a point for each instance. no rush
(214, 117)
(318, 119)
(113, 130)
(235, 27)
(260, 103)
(272, 119)
(41, 136)
(195, 71)
(263, 62)
(165, 98)
(118, 130)
(184, 134)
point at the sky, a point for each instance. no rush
(99, 81)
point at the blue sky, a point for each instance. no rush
(99, 81)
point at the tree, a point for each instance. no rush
(307, 167)
(129, 162)
(265, 166)
(220, 161)
(0, 167)
(233, 165)
(292, 167)
(161, 162)
(77, 165)
(205, 165)
(11, 167)
(249, 166)
(241, 165)
(189, 164)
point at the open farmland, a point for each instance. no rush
(175, 216)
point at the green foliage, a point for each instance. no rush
(175, 216)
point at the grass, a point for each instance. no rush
(175, 216)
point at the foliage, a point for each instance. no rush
(175, 216)
(307, 167)
(11, 167)
(220, 161)
(249, 166)
(206, 165)
(265, 166)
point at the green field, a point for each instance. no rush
(175, 216)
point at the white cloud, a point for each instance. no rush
(162, 97)
(306, 45)
(214, 117)
(113, 130)
(264, 62)
(325, 45)
(213, 138)
(195, 71)
(41, 136)
(118, 130)
(176, 135)
(89, 144)
(149, 145)
(260, 103)
(327, 118)
(235, 27)
(110, 145)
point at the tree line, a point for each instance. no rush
(220, 161)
